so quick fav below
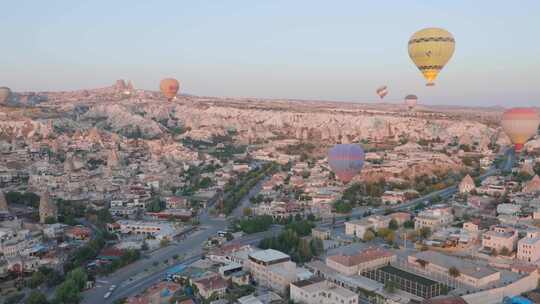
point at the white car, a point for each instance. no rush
(113, 287)
(107, 295)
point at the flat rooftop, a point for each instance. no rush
(269, 255)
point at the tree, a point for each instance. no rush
(393, 224)
(36, 297)
(79, 276)
(67, 292)
(390, 237)
(422, 263)
(409, 224)
(247, 212)
(37, 279)
(342, 206)
(164, 243)
(390, 286)
(505, 251)
(425, 232)
(368, 236)
(454, 272)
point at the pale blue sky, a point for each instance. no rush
(310, 49)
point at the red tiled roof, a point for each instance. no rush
(211, 283)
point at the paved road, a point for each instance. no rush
(129, 280)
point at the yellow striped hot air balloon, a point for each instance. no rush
(430, 49)
(520, 124)
(169, 87)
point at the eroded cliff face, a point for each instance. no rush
(202, 118)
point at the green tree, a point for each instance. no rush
(425, 232)
(390, 237)
(79, 276)
(454, 272)
(368, 236)
(393, 224)
(342, 206)
(409, 224)
(37, 279)
(36, 297)
(390, 286)
(247, 212)
(164, 243)
(68, 292)
(505, 251)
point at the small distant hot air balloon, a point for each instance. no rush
(346, 161)
(430, 49)
(4, 94)
(169, 87)
(411, 101)
(382, 91)
(520, 124)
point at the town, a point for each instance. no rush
(114, 196)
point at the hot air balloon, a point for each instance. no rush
(169, 87)
(430, 49)
(346, 161)
(520, 124)
(382, 91)
(4, 94)
(411, 101)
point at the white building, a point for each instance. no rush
(529, 247)
(274, 269)
(320, 291)
(159, 230)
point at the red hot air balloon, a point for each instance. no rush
(520, 124)
(382, 91)
(346, 161)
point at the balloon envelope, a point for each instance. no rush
(4, 94)
(520, 124)
(346, 161)
(382, 91)
(430, 49)
(169, 87)
(411, 101)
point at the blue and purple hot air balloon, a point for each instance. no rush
(346, 160)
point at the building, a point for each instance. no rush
(321, 233)
(434, 218)
(499, 237)
(466, 185)
(47, 208)
(529, 247)
(274, 269)
(471, 274)
(320, 291)
(393, 197)
(370, 258)
(211, 286)
(359, 227)
(508, 209)
(159, 230)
